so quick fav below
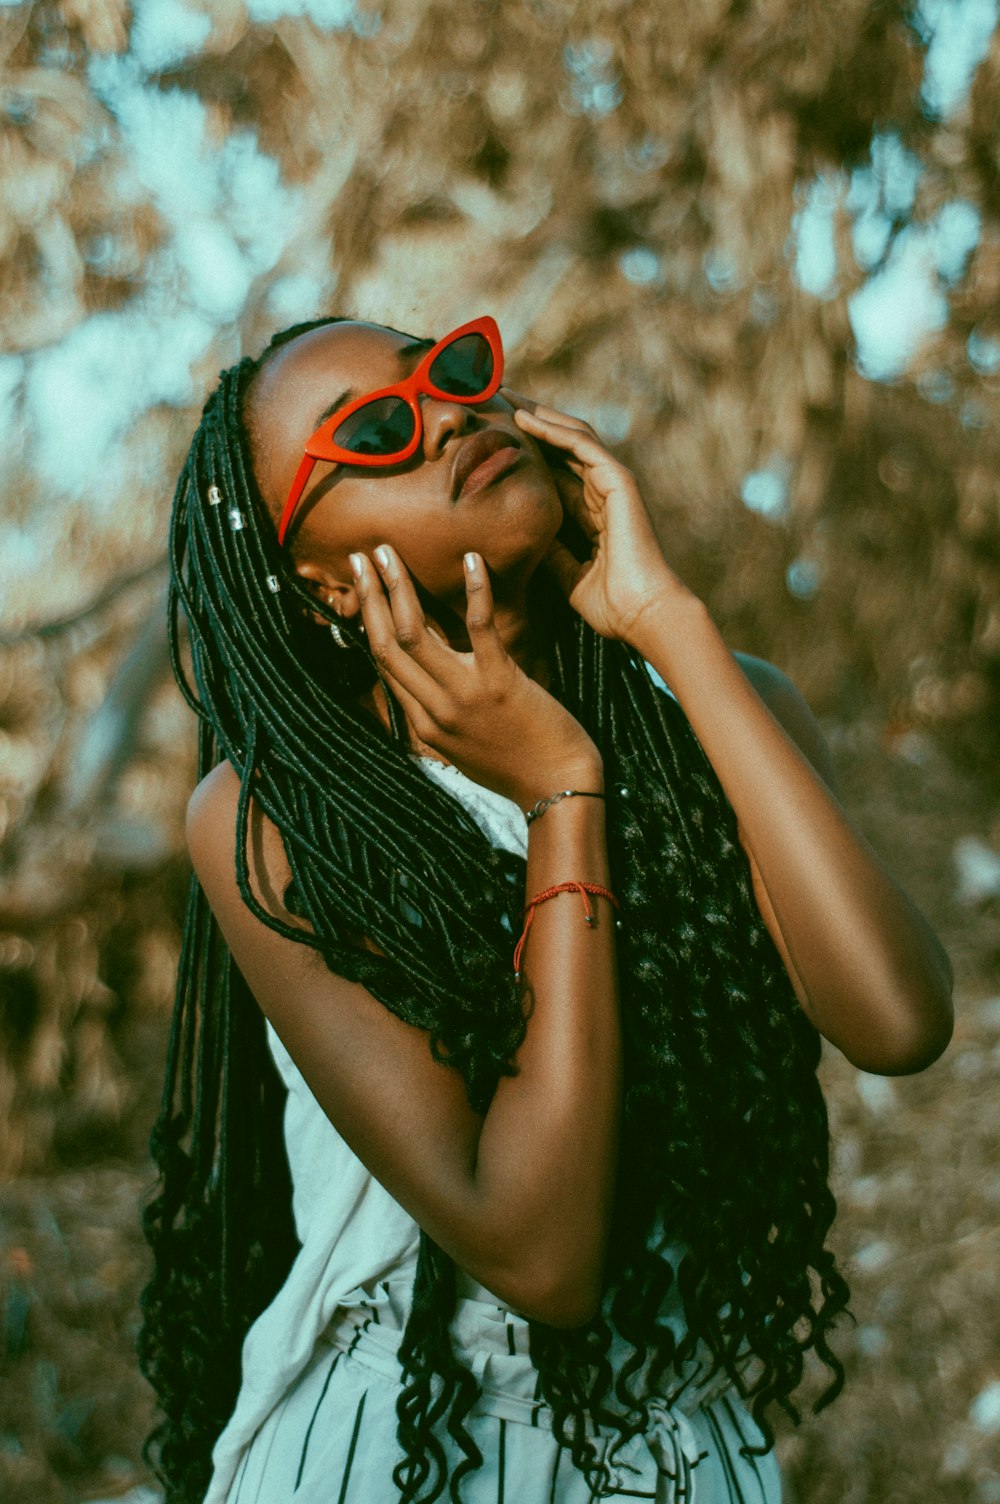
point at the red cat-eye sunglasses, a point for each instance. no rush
(385, 427)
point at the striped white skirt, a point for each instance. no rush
(332, 1438)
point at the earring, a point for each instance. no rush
(338, 636)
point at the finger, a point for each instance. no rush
(518, 399)
(409, 621)
(570, 435)
(520, 403)
(380, 630)
(553, 414)
(424, 725)
(565, 570)
(479, 620)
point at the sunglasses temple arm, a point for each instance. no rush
(302, 474)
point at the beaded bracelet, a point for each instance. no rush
(544, 804)
(569, 887)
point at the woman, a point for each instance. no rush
(532, 951)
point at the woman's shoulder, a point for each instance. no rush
(767, 679)
(791, 710)
(788, 706)
(211, 829)
(216, 795)
(210, 823)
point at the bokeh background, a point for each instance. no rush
(756, 243)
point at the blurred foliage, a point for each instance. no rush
(619, 184)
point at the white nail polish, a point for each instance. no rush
(382, 555)
(470, 563)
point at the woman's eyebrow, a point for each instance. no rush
(415, 347)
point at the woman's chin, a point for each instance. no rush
(518, 555)
(528, 517)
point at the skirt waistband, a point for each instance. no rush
(494, 1345)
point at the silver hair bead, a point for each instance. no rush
(236, 521)
(273, 583)
(214, 496)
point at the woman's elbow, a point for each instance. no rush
(922, 1051)
(561, 1303)
(915, 1041)
(550, 1291)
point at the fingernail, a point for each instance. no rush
(382, 555)
(355, 562)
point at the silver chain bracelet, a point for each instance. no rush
(544, 804)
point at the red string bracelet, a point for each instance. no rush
(570, 887)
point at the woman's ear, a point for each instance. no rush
(323, 582)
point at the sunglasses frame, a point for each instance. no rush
(321, 445)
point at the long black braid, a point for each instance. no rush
(725, 1135)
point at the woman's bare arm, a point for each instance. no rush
(521, 1199)
(866, 966)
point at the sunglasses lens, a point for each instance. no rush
(382, 427)
(465, 368)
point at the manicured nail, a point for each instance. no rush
(382, 555)
(470, 563)
(356, 562)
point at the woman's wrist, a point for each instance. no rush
(544, 805)
(664, 634)
(579, 779)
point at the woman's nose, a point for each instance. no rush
(442, 421)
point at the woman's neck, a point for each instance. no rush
(525, 630)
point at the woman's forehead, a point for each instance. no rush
(301, 379)
(348, 350)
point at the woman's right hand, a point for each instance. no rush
(479, 710)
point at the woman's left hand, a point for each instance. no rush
(626, 574)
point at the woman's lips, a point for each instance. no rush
(474, 453)
(489, 469)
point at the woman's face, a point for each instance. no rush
(510, 520)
